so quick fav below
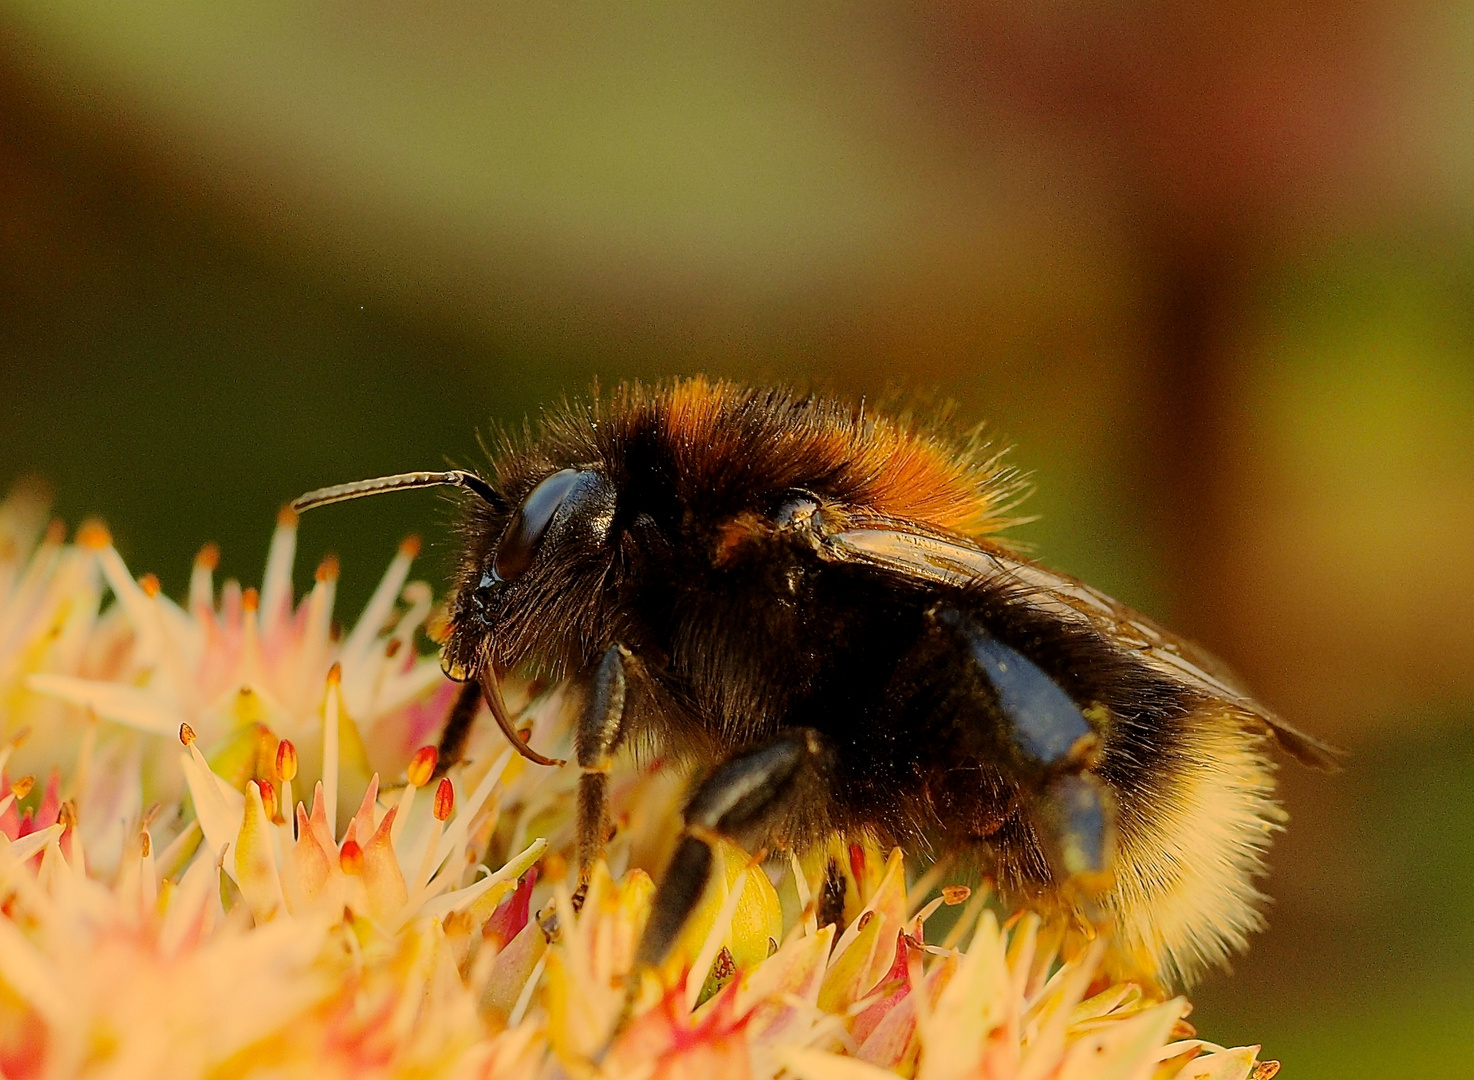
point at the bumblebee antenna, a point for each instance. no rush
(399, 482)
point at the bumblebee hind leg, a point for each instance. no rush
(1049, 746)
(743, 799)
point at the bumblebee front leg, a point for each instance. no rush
(457, 729)
(741, 800)
(600, 730)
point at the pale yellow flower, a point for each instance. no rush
(175, 910)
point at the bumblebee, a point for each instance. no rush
(810, 603)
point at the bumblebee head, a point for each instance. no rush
(528, 584)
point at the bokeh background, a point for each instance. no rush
(1210, 268)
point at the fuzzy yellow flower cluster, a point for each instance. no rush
(169, 908)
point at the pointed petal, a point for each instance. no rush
(382, 878)
(255, 859)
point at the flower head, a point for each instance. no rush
(240, 863)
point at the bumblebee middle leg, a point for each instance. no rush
(743, 799)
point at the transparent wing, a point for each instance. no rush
(948, 562)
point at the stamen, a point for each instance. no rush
(330, 748)
(202, 584)
(276, 582)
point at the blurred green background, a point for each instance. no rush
(1209, 268)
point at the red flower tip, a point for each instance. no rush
(149, 583)
(209, 557)
(335, 674)
(350, 857)
(327, 570)
(186, 734)
(286, 518)
(857, 865)
(410, 545)
(251, 599)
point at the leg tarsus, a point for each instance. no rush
(593, 817)
(742, 799)
(680, 890)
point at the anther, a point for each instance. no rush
(445, 799)
(286, 761)
(422, 766)
(94, 536)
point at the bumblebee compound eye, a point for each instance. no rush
(579, 498)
